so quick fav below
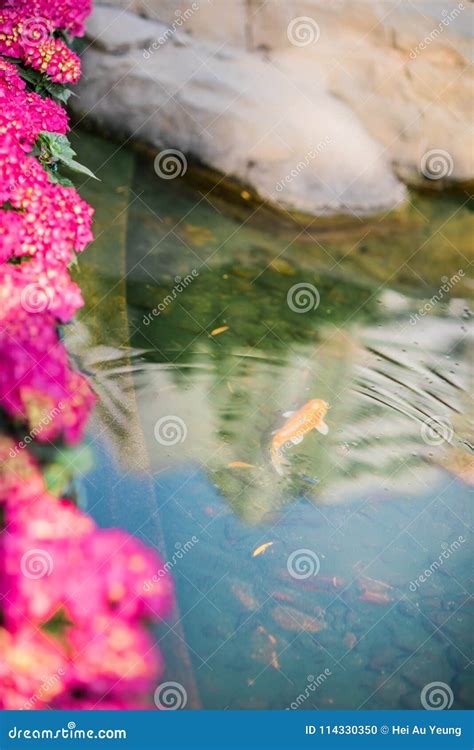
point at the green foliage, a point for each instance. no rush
(54, 151)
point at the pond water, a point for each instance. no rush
(344, 582)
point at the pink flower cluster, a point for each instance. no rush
(27, 29)
(74, 607)
(42, 226)
(74, 602)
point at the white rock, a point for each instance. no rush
(293, 143)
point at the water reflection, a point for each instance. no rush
(397, 391)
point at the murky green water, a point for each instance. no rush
(183, 433)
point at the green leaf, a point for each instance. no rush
(78, 167)
(59, 179)
(59, 150)
(58, 92)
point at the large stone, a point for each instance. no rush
(296, 146)
(316, 115)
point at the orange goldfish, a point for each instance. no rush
(309, 417)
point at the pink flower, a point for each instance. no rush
(37, 384)
(112, 657)
(26, 32)
(32, 669)
(20, 475)
(130, 579)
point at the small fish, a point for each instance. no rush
(217, 331)
(299, 423)
(240, 465)
(261, 549)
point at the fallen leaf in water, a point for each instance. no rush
(240, 465)
(217, 331)
(375, 597)
(198, 236)
(281, 266)
(261, 549)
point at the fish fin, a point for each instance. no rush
(297, 439)
(288, 413)
(323, 428)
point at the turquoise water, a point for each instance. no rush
(337, 610)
